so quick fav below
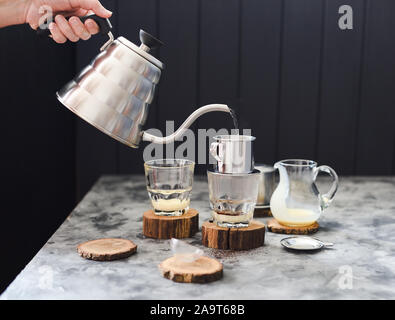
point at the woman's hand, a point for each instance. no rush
(72, 29)
(32, 12)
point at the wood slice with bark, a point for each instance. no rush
(202, 270)
(106, 249)
(247, 238)
(274, 226)
(167, 227)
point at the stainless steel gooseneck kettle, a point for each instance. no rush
(114, 91)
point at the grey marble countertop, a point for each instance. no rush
(361, 223)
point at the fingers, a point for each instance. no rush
(57, 35)
(79, 28)
(66, 29)
(91, 26)
(93, 5)
(72, 29)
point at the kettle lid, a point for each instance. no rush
(148, 42)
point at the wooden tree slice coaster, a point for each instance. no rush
(274, 226)
(106, 249)
(202, 270)
(262, 213)
(247, 238)
(167, 227)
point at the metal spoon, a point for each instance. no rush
(305, 243)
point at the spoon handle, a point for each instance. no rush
(328, 244)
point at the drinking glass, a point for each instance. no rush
(233, 197)
(169, 185)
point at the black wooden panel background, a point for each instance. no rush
(260, 48)
(305, 88)
(376, 117)
(300, 78)
(340, 88)
(37, 188)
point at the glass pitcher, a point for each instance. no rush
(296, 202)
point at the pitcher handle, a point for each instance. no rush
(326, 199)
(213, 150)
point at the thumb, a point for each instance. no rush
(93, 5)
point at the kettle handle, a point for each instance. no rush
(104, 25)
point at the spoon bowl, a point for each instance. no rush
(304, 243)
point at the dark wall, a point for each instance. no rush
(37, 136)
(306, 89)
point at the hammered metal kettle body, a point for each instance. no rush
(114, 92)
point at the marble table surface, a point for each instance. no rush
(361, 265)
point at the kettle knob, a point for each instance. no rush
(148, 41)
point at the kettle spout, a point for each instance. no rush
(187, 123)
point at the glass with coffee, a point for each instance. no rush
(169, 185)
(233, 197)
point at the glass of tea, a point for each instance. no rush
(233, 197)
(169, 185)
